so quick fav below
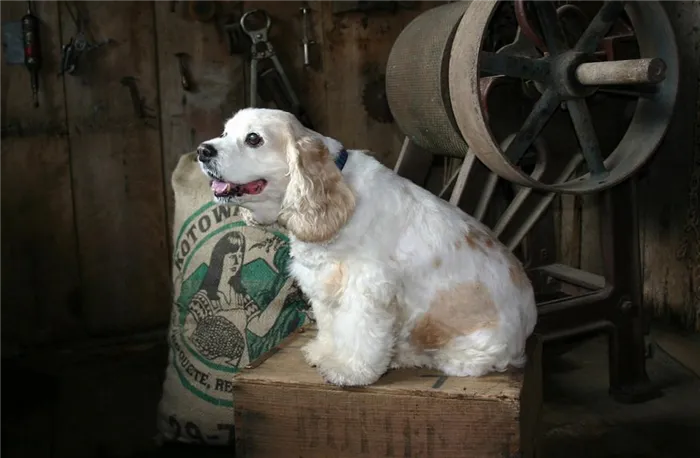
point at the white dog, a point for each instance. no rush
(396, 276)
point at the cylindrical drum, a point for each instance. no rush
(417, 85)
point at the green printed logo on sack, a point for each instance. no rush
(233, 297)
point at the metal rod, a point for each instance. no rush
(633, 71)
(583, 300)
(599, 26)
(486, 197)
(589, 328)
(540, 115)
(523, 192)
(306, 40)
(549, 23)
(518, 201)
(587, 137)
(573, 276)
(464, 173)
(445, 189)
(543, 203)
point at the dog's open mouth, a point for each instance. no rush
(226, 189)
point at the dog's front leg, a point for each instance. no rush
(363, 339)
(322, 344)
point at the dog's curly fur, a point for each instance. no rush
(396, 276)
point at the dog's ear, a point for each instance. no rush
(318, 202)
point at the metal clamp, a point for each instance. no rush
(262, 49)
(257, 35)
(79, 44)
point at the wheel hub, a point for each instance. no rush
(563, 75)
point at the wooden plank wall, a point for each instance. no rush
(86, 198)
(670, 191)
(40, 259)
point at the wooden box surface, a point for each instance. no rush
(283, 408)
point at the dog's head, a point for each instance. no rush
(268, 162)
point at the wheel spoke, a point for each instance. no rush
(583, 125)
(599, 26)
(539, 116)
(551, 29)
(514, 66)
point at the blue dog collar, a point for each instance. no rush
(341, 159)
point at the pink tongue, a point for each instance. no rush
(220, 187)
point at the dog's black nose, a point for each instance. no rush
(205, 152)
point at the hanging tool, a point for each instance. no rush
(276, 80)
(185, 77)
(79, 43)
(306, 32)
(32, 50)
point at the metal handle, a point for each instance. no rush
(306, 39)
(257, 35)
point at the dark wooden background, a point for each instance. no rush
(86, 197)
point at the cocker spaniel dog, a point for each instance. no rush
(396, 276)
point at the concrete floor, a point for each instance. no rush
(104, 406)
(580, 420)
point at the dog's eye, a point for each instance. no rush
(223, 135)
(253, 139)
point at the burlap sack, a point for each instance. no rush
(232, 302)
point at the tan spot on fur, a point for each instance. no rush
(476, 240)
(515, 276)
(437, 262)
(460, 310)
(483, 237)
(470, 241)
(429, 333)
(516, 271)
(335, 282)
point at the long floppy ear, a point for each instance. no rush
(318, 202)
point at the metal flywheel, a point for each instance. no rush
(603, 74)
(568, 62)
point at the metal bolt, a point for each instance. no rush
(626, 306)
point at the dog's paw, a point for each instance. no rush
(340, 374)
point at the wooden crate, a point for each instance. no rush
(283, 408)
